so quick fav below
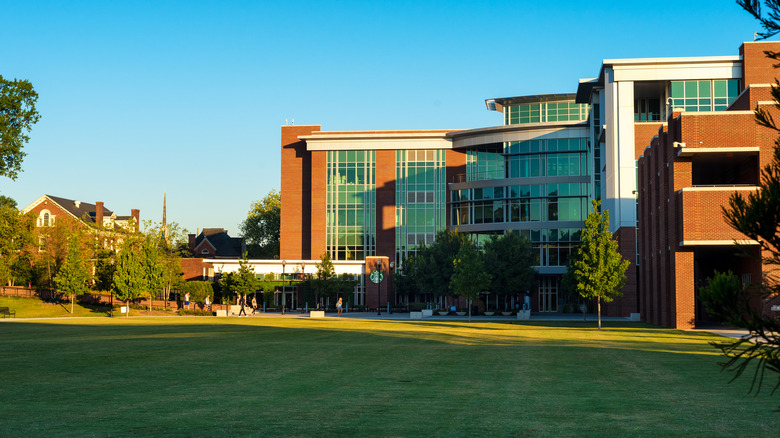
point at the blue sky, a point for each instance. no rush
(138, 97)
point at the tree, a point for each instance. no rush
(73, 276)
(468, 275)
(509, 260)
(325, 271)
(17, 242)
(17, 115)
(242, 282)
(599, 269)
(152, 269)
(261, 229)
(129, 278)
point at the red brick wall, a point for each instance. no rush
(643, 135)
(703, 217)
(319, 203)
(296, 193)
(756, 67)
(718, 130)
(667, 215)
(193, 268)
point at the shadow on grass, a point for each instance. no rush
(615, 335)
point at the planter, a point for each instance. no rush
(443, 312)
(506, 313)
(490, 313)
(460, 313)
(415, 315)
(427, 312)
(317, 314)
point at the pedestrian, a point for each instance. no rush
(187, 301)
(242, 303)
(254, 304)
(338, 307)
(208, 301)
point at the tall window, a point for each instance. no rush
(351, 205)
(420, 198)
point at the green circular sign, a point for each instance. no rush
(376, 277)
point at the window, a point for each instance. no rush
(706, 95)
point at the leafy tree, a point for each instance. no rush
(105, 266)
(17, 115)
(152, 268)
(325, 271)
(599, 269)
(468, 276)
(261, 229)
(344, 284)
(73, 276)
(242, 282)
(509, 260)
(170, 251)
(129, 278)
(17, 242)
(5, 201)
(199, 290)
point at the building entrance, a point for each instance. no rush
(548, 294)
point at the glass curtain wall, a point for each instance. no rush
(420, 198)
(351, 205)
(542, 112)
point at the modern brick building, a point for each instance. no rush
(694, 163)
(662, 142)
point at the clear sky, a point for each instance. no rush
(141, 97)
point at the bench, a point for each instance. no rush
(6, 312)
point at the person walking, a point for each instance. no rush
(338, 307)
(187, 301)
(241, 304)
(254, 304)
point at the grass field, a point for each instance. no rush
(201, 376)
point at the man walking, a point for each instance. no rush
(242, 303)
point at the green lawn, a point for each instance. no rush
(201, 376)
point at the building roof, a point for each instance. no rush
(220, 241)
(498, 103)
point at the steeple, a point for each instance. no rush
(164, 221)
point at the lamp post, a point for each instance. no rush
(303, 278)
(284, 262)
(379, 289)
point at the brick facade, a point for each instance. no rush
(686, 176)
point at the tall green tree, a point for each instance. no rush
(73, 276)
(17, 115)
(152, 267)
(262, 227)
(599, 269)
(130, 277)
(322, 285)
(468, 275)
(509, 260)
(16, 242)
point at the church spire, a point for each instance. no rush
(164, 220)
